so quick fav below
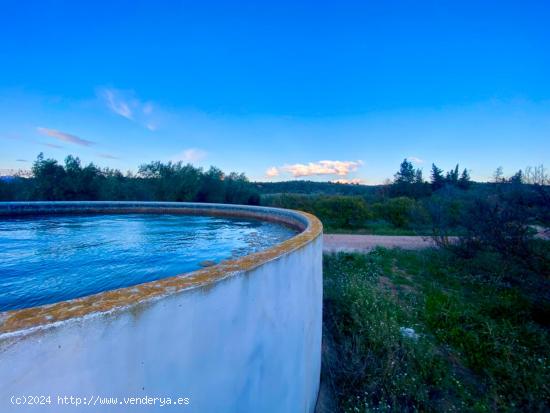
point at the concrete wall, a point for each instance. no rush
(248, 342)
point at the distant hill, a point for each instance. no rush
(312, 187)
(367, 191)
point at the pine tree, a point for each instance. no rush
(406, 173)
(452, 176)
(418, 176)
(517, 178)
(464, 181)
(438, 180)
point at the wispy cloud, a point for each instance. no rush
(63, 136)
(21, 160)
(272, 172)
(116, 102)
(415, 160)
(191, 155)
(354, 181)
(34, 141)
(125, 103)
(107, 156)
(51, 145)
(340, 168)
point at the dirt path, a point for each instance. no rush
(363, 243)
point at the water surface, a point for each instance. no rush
(54, 258)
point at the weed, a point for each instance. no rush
(478, 345)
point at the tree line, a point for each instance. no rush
(176, 181)
(409, 181)
(155, 181)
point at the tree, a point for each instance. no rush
(172, 181)
(239, 191)
(48, 179)
(188, 182)
(80, 183)
(498, 175)
(464, 182)
(406, 173)
(452, 176)
(536, 175)
(517, 178)
(438, 180)
(408, 181)
(212, 187)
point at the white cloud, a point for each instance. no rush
(125, 103)
(117, 103)
(190, 155)
(63, 136)
(272, 172)
(353, 181)
(340, 168)
(415, 160)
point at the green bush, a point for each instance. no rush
(397, 211)
(343, 211)
(348, 212)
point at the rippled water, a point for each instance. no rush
(54, 258)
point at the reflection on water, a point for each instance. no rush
(55, 258)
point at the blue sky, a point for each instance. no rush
(285, 90)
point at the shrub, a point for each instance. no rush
(397, 211)
(335, 211)
(343, 211)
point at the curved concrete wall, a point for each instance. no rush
(242, 336)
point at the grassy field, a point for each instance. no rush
(419, 331)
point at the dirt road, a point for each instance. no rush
(363, 243)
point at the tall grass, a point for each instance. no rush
(477, 344)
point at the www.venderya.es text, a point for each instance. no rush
(97, 400)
